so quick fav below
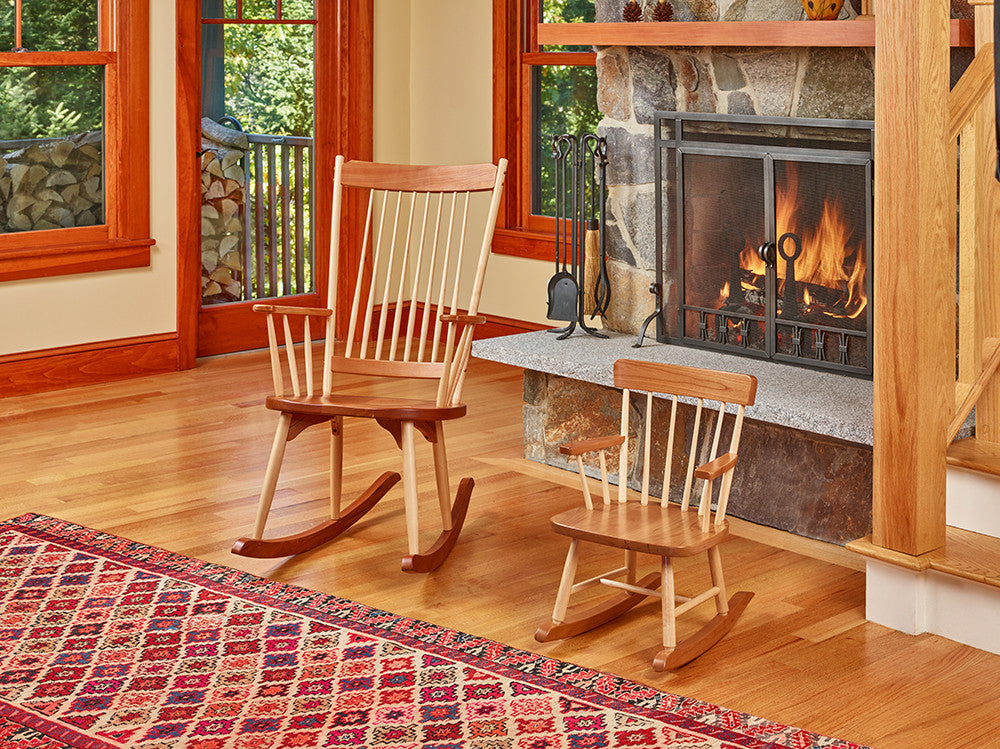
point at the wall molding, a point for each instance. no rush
(496, 326)
(87, 364)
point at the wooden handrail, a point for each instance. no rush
(992, 347)
(967, 94)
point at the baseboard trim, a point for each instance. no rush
(496, 326)
(87, 364)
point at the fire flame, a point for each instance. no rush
(828, 259)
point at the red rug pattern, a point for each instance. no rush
(105, 642)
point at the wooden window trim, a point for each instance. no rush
(519, 232)
(123, 240)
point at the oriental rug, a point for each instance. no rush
(105, 642)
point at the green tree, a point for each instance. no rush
(270, 77)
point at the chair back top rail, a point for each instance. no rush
(690, 382)
(416, 178)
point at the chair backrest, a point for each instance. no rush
(703, 461)
(409, 316)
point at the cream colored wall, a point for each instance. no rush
(436, 56)
(68, 310)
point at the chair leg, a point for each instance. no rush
(336, 465)
(715, 564)
(410, 498)
(271, 474)
(441, 476)
(668, 603)
(566, 583)
(630, 565)
(452, 513)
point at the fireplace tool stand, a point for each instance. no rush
(580, 192)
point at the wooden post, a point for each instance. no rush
(914, 276)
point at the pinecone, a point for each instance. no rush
(632, 11)
(663, 11)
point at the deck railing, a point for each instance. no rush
(279, 230)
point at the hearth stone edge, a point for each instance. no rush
(824, 403)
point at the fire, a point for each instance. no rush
(828, 259)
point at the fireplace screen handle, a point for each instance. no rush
(768, 253)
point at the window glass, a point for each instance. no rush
(269, 77)
(260, 9)
(215, 9)
(6, 26)
(564, 101)
(567, 11)
(297, 10)
(59, 25)
(51, 148)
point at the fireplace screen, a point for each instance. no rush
(764, 235)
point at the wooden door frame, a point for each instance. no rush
(344, 125)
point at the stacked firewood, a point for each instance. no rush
(52, 183)
(223, 205)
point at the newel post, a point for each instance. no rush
(914, 277)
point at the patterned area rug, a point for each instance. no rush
(105, 642)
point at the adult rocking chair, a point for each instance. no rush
(407, 320)
(663, 529)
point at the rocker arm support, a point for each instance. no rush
(579, 447)
(278, 309)
(464, 319)
(715, 468)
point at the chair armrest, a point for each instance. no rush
(278, 309)
(715, 468)
(464, 319)
(579, 447)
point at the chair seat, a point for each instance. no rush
(648, 529)
(391, 409)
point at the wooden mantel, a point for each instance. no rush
(859, 32)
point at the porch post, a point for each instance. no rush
(914, 281)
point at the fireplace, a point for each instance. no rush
(764, 237)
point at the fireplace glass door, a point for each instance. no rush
(770, 250)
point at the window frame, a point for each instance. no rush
(123, 240)
(516, 53)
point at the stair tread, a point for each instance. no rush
(965, 554)
(976, 455)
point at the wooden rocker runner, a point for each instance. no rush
(661, 529)
(407, 321)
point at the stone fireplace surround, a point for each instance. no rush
(806, 459)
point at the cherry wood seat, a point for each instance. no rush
(395, 409)
(648, 529)
(413, 300)
(663, 529)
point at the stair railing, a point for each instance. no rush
(971, 127)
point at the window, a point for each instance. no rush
(538, 92)
(74, 142)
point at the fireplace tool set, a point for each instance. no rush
(580, 284)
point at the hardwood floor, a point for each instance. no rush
(175, 460)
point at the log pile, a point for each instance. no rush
(223, 207)
(52, 183)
